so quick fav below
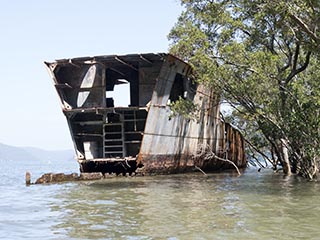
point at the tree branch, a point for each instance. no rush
(207, 152)
(258, 151)
(296, 56)
(304, 27)
(294, 72)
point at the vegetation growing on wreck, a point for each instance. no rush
(144, 134)
(263, 57)
(186, 108)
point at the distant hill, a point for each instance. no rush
(12, 153)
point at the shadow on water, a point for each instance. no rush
(253, 206)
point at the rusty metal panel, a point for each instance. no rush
(168, 143)
(175, 137)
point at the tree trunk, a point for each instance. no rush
(310, 168)
(285, 157)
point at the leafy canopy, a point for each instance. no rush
(262, 57)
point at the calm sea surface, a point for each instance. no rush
(220, 206)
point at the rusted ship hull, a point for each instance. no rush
(143, 134)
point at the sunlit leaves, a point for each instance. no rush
(185, 108)
(263, 57)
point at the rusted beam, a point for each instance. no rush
(117, 71)
(124, 63)
(63, 85)
(146, 60)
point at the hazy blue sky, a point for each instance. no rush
(36, 31)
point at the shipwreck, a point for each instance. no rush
(142, 134)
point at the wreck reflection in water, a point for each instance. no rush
(220, 206)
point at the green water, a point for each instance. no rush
(255, 205)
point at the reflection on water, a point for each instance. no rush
(220, 206)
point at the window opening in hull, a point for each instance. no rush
(120, 96)
(177, 89)
(87, 82)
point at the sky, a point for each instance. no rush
(35, 31)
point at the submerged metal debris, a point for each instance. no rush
(141, 135)
(62, 177)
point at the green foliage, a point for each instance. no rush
(186, 108)
(263, 57)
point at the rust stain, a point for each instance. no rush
(141, 135)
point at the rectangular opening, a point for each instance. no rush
(120, 95)
(177, 89)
